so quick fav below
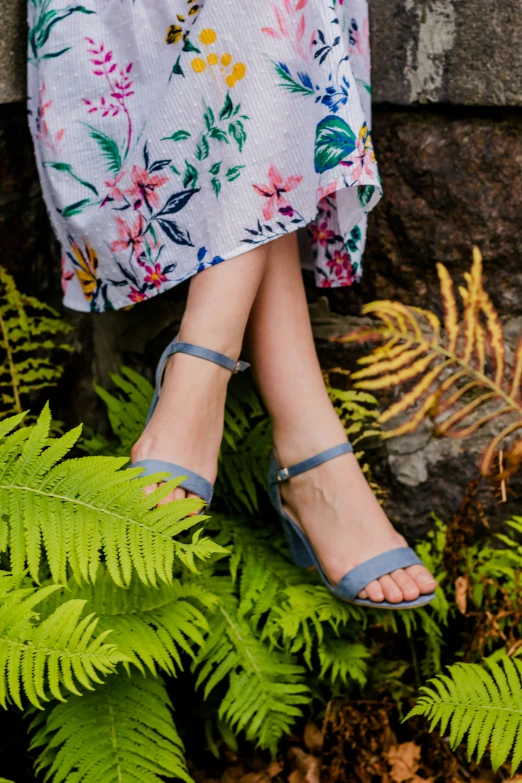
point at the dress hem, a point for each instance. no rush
(244, 247)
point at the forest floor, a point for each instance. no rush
(359, 742)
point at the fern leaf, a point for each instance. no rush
(122, 732)
(446, 367)
(62, 651)
(342, 661)
(484, 704)
(30, 345)
(450, 307)
(151, 628)
(265, 689)
(77, 510)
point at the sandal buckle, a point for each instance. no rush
(283, 474)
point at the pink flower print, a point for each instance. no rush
(364, 155)
(327, 191)
(274, 191)
(119, 86)
(135, 295)
(114, 192)
(154, 275)
(67, 274)
(144, 188)
(290, 25)
(321, 234)
(53, 143)
(130, 237)
(341, 266)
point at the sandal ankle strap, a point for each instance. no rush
(175, 346)
(278, 474)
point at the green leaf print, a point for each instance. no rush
(203, 148)
(209, 118)
(109, 149)
(365, 194)
(214, 169)
(74, 209)
(234, 172)
(289, 83)
(237, 130)
(334, 142)
(190, 178)
(42, 20)
(179, 135)
(218, 135)
(216, 186)
(228, 107)
(68, 169)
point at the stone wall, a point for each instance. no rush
(448, 134)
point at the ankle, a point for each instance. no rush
(295, 441)
(222, 343)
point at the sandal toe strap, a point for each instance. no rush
(356, 580)
(192, 482)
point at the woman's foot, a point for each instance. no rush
(334, 504)
(187, 425)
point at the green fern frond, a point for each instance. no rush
(62, 651)
(122, 732)
(265, 688)
(484, 705)
(128, 409)
(74, 511)
(343, 661)
(151, 627)
(31, 336)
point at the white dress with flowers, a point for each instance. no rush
(175, 134)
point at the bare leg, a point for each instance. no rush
(333, 502)
(187, 425)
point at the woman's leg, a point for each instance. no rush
(187, 425)
(332, 502)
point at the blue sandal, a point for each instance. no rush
(303, 554)
(192, 482)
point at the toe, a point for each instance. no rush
(149, 490)
(406, 584)
(425, 581)
(392, 591)
(200, 510)
(176, 494)
(373, 591)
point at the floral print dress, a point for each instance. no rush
(174, 134)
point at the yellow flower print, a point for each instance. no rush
(238, 71)
(86, 268)
(230, 72)
(207, 36)
(198, 64)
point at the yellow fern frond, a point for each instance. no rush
(472, 305)
(517, 372)
(451, 315)
(413, 397)
(496, 334)
(449, 367)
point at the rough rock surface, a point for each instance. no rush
(447, 51)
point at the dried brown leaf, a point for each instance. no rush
(404, 761)
(461, 593)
